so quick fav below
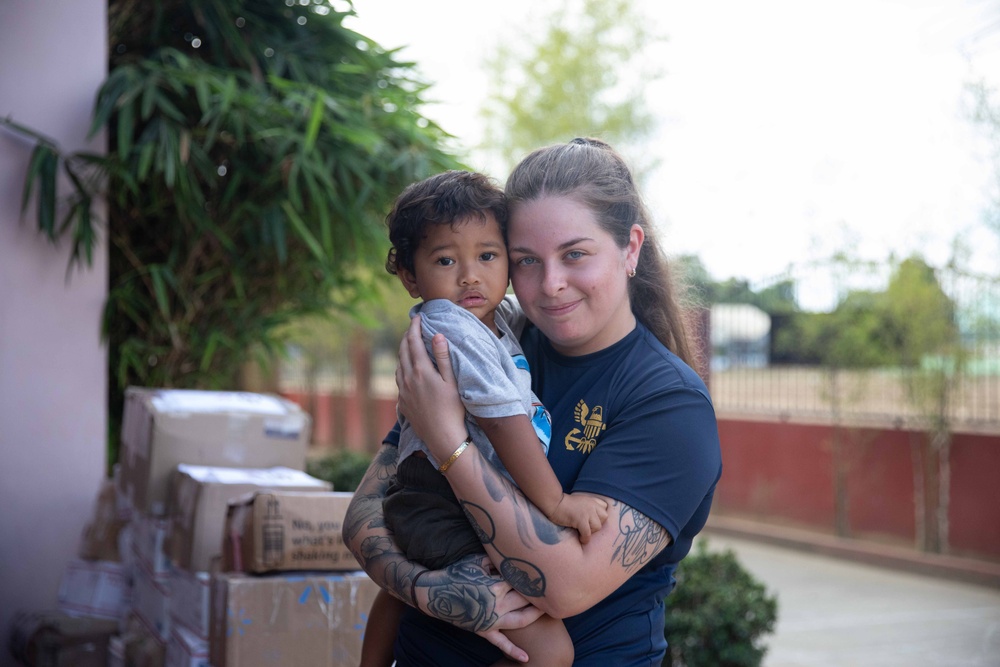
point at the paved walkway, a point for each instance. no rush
(838, 613)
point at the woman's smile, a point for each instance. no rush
(569, 275)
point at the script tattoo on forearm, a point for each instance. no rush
(639, 538)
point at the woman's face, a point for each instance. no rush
(569, 275)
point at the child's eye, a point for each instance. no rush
(444, 261)
(488, 256)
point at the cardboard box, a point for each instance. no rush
(287, 531)
(55, 639)
(162, 428)
(99, 589)
(186, 650)
(142, 647)
(116, 651)
(100, 536)
(151, 602)
(149, 540)
(289, 619)
(200, 498)
(190, 594)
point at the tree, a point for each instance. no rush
(254, 148)
(987, 116)
(775, 299)
(586, 74)
(920, 317)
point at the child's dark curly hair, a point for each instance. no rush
(443, 199)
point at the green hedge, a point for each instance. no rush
(718, 614)
(343, 468)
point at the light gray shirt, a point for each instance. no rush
(492, 374)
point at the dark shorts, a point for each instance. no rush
(422, 511)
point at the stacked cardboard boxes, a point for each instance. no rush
(199, 501)
(174, 435)
(290, 591)
(162, 429)
(154, 560)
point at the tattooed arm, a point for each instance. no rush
(464, 594)
(366, 535)
(547, 563)
(544, 562)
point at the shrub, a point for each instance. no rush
(343, 468)
(718, 613)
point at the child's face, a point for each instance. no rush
(465, 263)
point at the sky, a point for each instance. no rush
(786, 129)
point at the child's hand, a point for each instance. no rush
(582, 511)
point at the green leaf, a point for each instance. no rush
(202, 94)
(315, 120)
(126, 128)
(146, 154)
(319, 205)
(34, 169)
(294, 195)
(160, 290)
(168, 108)
(149, 94)
(303, 231)
(47, 169)
(276, 226)
(209, 353)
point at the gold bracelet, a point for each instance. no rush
(458, 452)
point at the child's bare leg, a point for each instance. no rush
(380, 631)
(545, 641)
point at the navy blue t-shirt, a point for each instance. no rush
(634, 423)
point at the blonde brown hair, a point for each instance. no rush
(594, 174)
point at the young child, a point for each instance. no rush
(449, 250)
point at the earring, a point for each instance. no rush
(631, 274)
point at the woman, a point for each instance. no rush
(632, 424)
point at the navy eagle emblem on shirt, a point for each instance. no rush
(592, 421)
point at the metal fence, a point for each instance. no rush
(961, 387)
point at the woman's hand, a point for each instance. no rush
(428, 395)
(472, 595)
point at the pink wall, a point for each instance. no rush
(53, 377)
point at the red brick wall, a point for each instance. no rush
(974, 512)
(890, 483)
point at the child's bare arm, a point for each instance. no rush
(516, 443)
(583, 511)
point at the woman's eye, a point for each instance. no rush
(574, 254)
(525, 261)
